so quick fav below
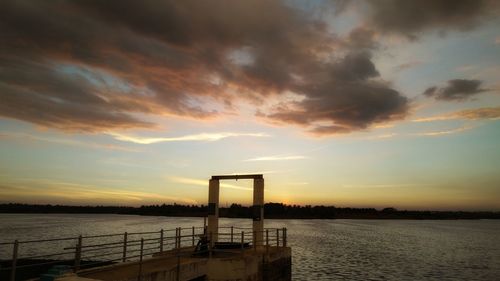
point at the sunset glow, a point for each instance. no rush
(339, 103)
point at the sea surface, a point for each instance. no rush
(322, 249)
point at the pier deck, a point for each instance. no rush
(175, 254)
(266, 263)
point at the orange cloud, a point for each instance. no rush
(488, 113)
(82, 66)
(444, 132)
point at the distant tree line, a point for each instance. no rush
(271, 211)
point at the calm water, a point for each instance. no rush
(322, 249)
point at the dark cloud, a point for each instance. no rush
(54, 35)
(361, 38)
(409, 18)
(39, 94)
(97, 65)
(457, 90)
(348, 99)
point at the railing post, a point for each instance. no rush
(267, 240)
(192, 235)
(242, 241)
(277, 237)
(14, 260)
(124, 256)
(175, 239)
(254, 240)
(231, 234)
(142, 248)
(161, 240)
(180, 236)
(140, 259)
(177, 233)
(284, 236)
(210, 244)
(78, 254)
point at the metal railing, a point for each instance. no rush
(88, 251)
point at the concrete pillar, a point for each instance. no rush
(213, 209)
(258, 210)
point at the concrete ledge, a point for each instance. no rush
(262, 264)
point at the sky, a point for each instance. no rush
(346, 103)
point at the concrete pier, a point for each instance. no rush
(209, 253)
(258, 209)
(259, 260)
(272, 263)
(213, 210)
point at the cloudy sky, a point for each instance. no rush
(346, 103)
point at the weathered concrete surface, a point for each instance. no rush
(213, 212)
(262, 264)
(258, 204)
(74, 277)
(277, 265)
(244, 267)
(164, 267)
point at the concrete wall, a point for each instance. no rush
(277, 270)
(155, 269)
(245, 268)
(273, 264)
(262, 265)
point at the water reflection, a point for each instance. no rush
(322, 249)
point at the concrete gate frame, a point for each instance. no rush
(257, 207)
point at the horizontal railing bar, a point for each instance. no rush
(190, 235)
(118, 253)
(119, 243)
(170, 237)
(102, 255)
(103, 235)
(235, 227)
(93, 236)
(148, 232)
(238, 227)
(147, 239)
(105, 248)
(134, 233)
(151, 243)
(138, 250)
(138, 242)
(96, 245)
(168, 230)
(48, 240)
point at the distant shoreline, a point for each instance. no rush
(271, 211)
